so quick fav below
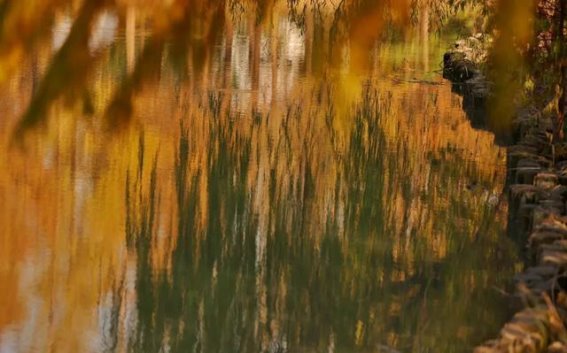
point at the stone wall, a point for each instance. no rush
(537, 178)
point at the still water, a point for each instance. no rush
(212, 182)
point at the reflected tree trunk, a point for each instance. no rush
(130, 38)
(275, 58)
(255, 56)
(227, 69)
(424, 7)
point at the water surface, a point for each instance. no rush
(225, 184)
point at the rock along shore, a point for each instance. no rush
(537, 180)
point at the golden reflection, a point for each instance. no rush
(258, 198)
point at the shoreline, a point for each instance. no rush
(537, 193)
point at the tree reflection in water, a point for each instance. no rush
(218, 177)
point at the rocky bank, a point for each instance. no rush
(537, 180)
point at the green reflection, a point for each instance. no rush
(247, 282)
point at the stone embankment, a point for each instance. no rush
(537, 172)
(537, 197)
